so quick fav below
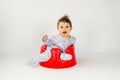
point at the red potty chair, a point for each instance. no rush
(55, 61)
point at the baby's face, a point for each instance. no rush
(64, 29)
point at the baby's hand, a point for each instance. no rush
(45, 37)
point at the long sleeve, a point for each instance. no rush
(52, 41)
(59, 42)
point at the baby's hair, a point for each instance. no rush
(64, 19)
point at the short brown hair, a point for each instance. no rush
(66, 19)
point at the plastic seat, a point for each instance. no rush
(55, 61)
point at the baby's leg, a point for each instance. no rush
(45, 56)
(65, 56)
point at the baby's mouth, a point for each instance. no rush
(64, 32)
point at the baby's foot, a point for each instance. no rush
(65, 56)
(32, 61)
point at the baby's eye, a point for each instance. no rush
(66, 26)
(61, 27)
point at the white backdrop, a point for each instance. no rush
(96, 25)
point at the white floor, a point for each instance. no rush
(102, 68)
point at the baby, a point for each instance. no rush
(62, 40)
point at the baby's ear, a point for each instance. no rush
(71, 28)
(57, 27)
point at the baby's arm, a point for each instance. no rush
(44, 38)
(49, 41)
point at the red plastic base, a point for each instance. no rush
(55, 61)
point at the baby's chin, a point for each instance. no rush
(64, 35)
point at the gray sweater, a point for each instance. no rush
(56, 41)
